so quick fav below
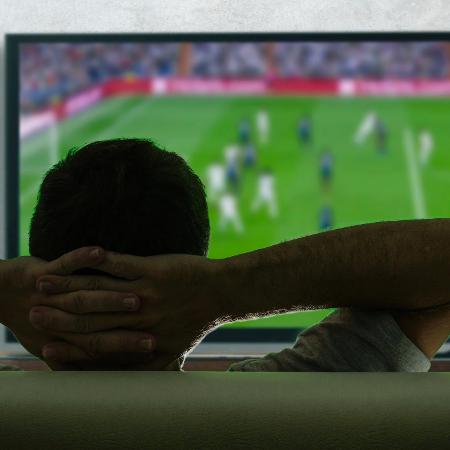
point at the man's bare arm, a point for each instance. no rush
(402, 265)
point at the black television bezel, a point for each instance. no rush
(13, 42)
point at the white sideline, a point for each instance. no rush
(415, 181)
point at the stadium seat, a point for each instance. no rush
(208, 410)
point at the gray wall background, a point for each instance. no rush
(51, 16)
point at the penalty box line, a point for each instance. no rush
(415, 180)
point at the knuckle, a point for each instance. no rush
(77, 302)
(94, 284)
(63, 265)
(66, 284)
(81, 324)
(117, 267)
(94, 345)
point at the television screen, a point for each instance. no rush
(291, 135)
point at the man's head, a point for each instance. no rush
(126, 195)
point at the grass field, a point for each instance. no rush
(366, 187)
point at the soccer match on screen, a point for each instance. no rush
(289, 138)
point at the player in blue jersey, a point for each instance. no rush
(249, 155)
(244, 131)
(326, 169)
(325, 218)
(381, 135)
(232, 159)
(304, 131)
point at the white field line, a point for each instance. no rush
(124, 118)
(415, 181)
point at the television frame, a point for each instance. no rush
(247, 342)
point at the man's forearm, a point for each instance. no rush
(395, 265)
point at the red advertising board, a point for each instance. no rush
(35, 122)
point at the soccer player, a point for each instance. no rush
(325, 218)
(381, 134)
(263, 126)
(366, 127)
(229, 213)
(426, 146)
(232, 156)
(216, 180)
(244, 131)
(326, 169)
(304, 131)
(249, 155)
(266, 194)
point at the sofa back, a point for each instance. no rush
(213, 410)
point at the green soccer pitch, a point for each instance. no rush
(366, 186)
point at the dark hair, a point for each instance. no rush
(126, 195)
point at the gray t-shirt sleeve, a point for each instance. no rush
(347, 340)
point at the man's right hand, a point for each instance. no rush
(178, 306)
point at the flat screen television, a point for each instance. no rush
(299, 132)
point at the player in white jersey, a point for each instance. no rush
(366, 127)
(266, 194)
(231, 154)
(426, 146)
(229, 214)
(263, 125)
(216, 180)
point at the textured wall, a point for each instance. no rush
(33, 16)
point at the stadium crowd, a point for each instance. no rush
(51, 72)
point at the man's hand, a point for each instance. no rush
(19, 293)
(178, 306)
